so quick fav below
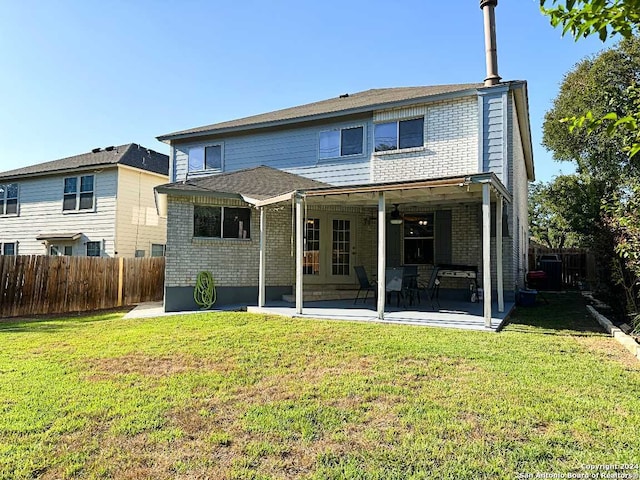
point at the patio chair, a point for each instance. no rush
(433, 287)
(365, 284)
(410, 284)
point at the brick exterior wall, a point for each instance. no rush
(451, 145)
(235, 262)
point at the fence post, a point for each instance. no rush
(120, 279)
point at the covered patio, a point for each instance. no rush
(449, 314)
(483, 189)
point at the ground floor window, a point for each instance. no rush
(93, 249)
(157, 250)
(419, 239)
(221, 222)
(9, 248)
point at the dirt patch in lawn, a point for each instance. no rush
(609, 349)
(161, 366)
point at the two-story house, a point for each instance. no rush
(433, 179)
(99, 203)
(398, 176)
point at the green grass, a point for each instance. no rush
(240, 396)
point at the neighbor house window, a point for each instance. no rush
(9, 199)
(157, 250)
(221, 222)
(9, 249)
(54, 250)
(419, 238)
(68, 250)
(139, 253)
(205, 158)
(78, 193)
(341, 142)
(93, 249)
(398, 135)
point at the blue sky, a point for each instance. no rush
(83, 74)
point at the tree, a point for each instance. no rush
(598, 85)
(549, 218)
(606, 18)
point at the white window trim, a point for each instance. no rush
(397, 122)
(77, 210)
(207, 170)
(4, 204)
(86, 248)
(15, 248)
(221, 238)
(339, 129)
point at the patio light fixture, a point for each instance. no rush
(396, 217)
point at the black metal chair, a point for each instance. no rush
(365, 284)
(433, 286)
(410, 285)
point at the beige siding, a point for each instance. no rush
(40, 212)
(137, 222)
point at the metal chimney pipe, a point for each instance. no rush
(491, 54)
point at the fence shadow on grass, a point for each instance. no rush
(564, 314)
(56, 323)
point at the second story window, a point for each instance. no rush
(205, 158)
(400, 134)
(9, 199)
(341, 142)
(78, 193)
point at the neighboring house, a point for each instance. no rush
(99, 203)
(436, 162)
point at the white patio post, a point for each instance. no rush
(382, 251)
(262, 271)
(299, 252)
(499, 272)
(486, 253)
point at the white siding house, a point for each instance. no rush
(96, 204)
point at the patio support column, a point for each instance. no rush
(499, 272)
(486, 253)
(382, 253)
(299, 252)
(262, 271)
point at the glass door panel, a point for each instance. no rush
(311, 260)
(341, 248)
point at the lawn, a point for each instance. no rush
(235, 395)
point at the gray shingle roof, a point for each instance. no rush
(354, 102)
(131, 154)
(258, 183)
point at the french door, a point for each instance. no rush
(329, 248)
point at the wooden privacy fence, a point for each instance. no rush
(578, 264)
(36, 284)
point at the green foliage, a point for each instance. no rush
(604, 18)
(550, 214)
(603, 143)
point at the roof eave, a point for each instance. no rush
(61, 171)
(168, 138)
(522, 110)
